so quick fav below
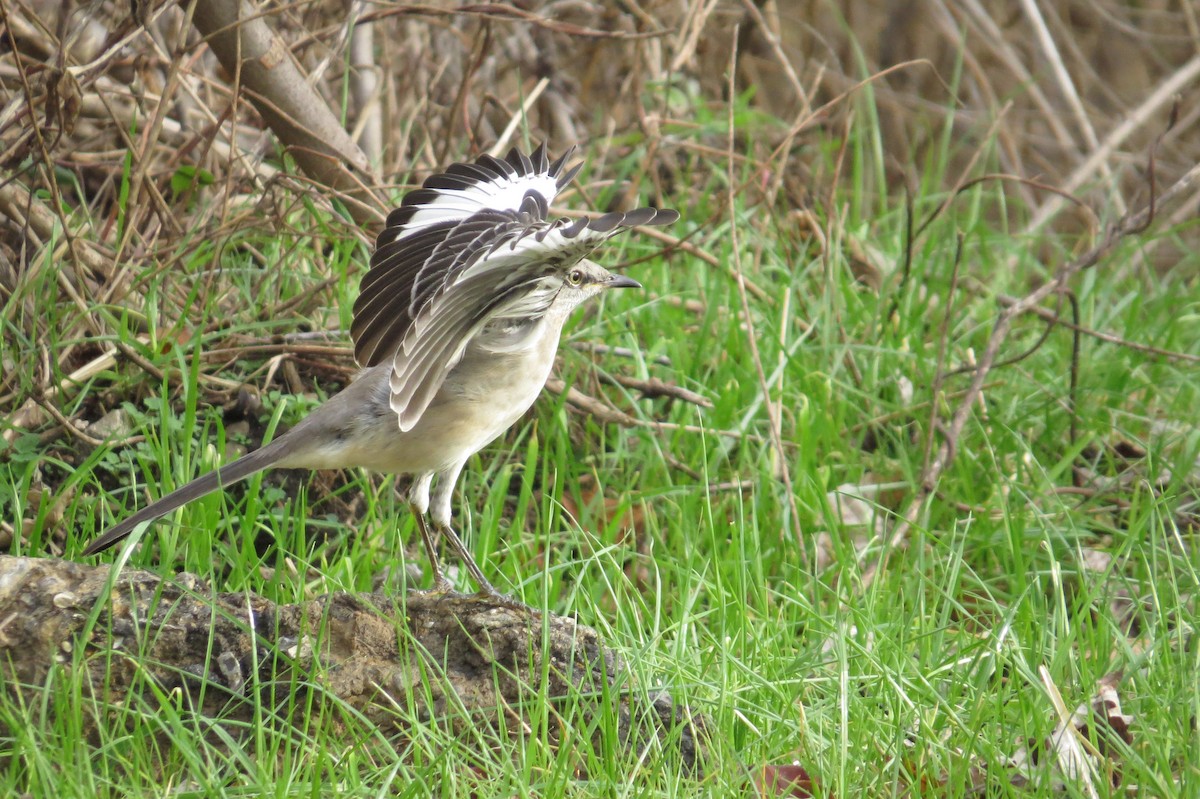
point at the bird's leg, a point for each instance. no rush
(441, 584)
(439, 514)
(418, 503)
(473, 569)
(486, 589)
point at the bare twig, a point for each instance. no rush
(364, 85)
(785, 63)
(1008, 300)
(502, 142)
(297, 114)
(1162, 94)
(1130, 224)
(604, 412)
(652, 387)
(775, 421)
(1067, 88)
(511, 14)
(943, 343)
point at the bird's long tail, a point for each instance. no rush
(243, 467)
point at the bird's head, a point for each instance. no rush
(585, 280)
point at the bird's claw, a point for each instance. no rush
(490, 595)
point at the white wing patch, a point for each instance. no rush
(452, 205)
(487, 184)
(471, 246)
(539, 246)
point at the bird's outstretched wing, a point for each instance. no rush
(473, 244)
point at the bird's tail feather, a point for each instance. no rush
(243, 467)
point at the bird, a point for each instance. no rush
(455, 328)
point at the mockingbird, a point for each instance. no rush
(456, 327)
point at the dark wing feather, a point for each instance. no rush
(419, 375)
(471, 246)
(497, 276)
(410, 262)
(409, 279)
(463, 189)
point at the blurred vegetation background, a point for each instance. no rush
(864, 185)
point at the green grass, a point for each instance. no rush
(930, 669)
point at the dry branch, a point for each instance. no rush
(294, 110)
(444, 659)
(1129, 225)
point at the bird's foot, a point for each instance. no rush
(488, 594)
(493, 597)
(441, 586)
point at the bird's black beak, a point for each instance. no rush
(622, 282)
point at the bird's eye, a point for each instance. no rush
(575, 277)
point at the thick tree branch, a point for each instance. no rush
(262, 65)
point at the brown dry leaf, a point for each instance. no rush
(786, 780)
(116, 425)
(860, 511)
(1082, 749)
(40, 493)
(1096, 561)
(866, 263)
(629, 521)
(852, 509)
(628, 518)
(823, 547)
(27, 417)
